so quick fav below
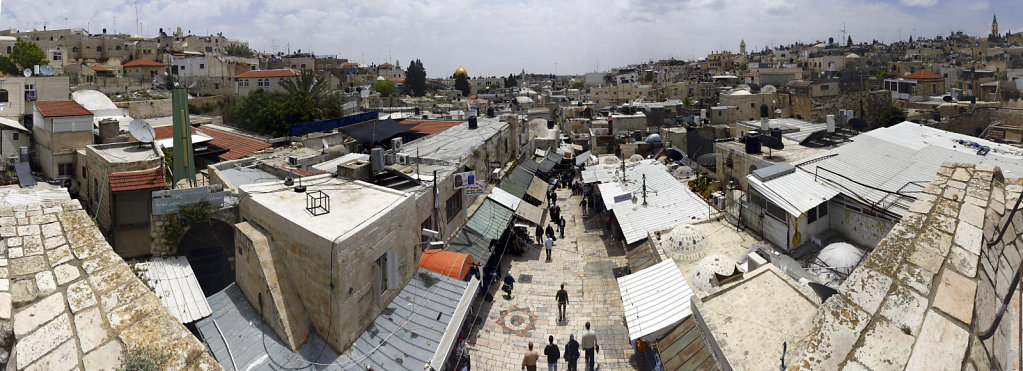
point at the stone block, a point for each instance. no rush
(972, 214)
(80, 296)
(33, 245)
(926, 257)
(937, 240)
(921, 206)
(66, 273)
(51, 229)
(961, 175)
(837, 327)
(8, 231)
(13, 241)
(46, 283)
(59, 255)
(947, 207)
(54, 241)
(6, 305)
(15, 252)
(941, 345)
(944, 223)
(43, 340)
(969, 237)
(92, 329)
(866, 288)
(963, 261)
(28, 265)
(28, 230)
(28, 318)
(955, 295)
(85, 250)
(905, 308)
(23, 292)
(106, 358)
(954, 194)
(64, 358)
(884, 346)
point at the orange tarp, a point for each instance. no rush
(449, 263)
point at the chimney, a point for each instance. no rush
(831, 123)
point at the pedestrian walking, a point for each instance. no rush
(548, 245)
(550, 231)
(562, 298)
(561, 225)
(590, 346)
(529, 360)
(582, 205)
(539, 235)
(572, 353)
(557, 212)
(553, 354)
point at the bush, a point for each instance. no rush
(142, 359)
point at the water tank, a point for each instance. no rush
(752, 143)
(703, 114)
(776, 133)
(376, 159)
(550, 124)
(490, 111)
(831, 123)
(473, 123)
(23, 154)
(764, 110)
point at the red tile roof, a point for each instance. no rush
(60, 108)
(923, 75)
(287, 72)
(301, 172)
(430, 127)
(99, 68)
(143, 63)
(237, 146)
(137, 180)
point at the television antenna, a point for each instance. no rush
(141, 131)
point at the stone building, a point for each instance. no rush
(269, 80)
(116, 182)
(18, 93)
(60, 128)
(143, 68)
(748, 104)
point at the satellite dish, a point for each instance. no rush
(325, 145)
(47, 70)
(947, 98)
(27, 72)
(142, 131)
(194, 83)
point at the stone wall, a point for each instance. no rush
(870, 106)
(160, 247)
(144, 109)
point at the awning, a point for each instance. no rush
(24, 172)
(470, 242)
(582, 158)
(490, 219)
(546, 165)
(555, 156)
(504, 198)
(537, 189)
(795, 193)
(12, 124)
(513, 187)
(531, 213)
(655, 300)
(376, 131)
(448, 263)
(175, 284)
(529, 165)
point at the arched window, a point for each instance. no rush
(74, 49)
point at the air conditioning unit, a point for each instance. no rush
(403, 159)
(396, 144)
(292, 160)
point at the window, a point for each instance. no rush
(239, 83)
(9, 50)
(15, 136)
(57, 56)
(246, 83)
(387, 272)
(3, 95)
(30, 92)
(99, 48)
(117, 47)
(202, 65)
(775, 211)
(65, 169)
(824, 87)
(453, 205)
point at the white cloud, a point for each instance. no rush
(919, 3)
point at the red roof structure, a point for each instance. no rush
(236, 145)
(286, 72)
(143, 62)
(137, 180)
(431, 127)
(923, 75)
(99, 68)
(61, 108)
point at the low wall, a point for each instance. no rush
(144, 109)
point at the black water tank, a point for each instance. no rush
(490, 111)
(752, 143)
(764, 112)
(415, 111)
(550, 124)
(472, 123)
(776, 133)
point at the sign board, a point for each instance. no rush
(461, 180)
(170, 201)
(541, 153)
(477, 188)
(623, 197)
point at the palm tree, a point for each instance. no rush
(320, 100)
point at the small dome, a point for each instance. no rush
(635, 158)
(685, 243)
(653, 138)
(840, 256)
(701, 279)
(380, 78)
(610, 160)
(461, 71)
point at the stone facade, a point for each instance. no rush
(870, 106)
(922, 296)
(73, 303)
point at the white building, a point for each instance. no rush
(269, 80)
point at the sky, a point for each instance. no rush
(498, 37)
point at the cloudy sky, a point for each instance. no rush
(498, 37)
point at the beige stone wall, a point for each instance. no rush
(162, 107)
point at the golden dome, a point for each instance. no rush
(461, 71)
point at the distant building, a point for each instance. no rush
(143, 68)
(60, 128)
(269, 80)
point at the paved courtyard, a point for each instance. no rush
(584, 261)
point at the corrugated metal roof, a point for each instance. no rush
(504, 198)
(531, 213)
(522, 177)
(175, 284)
(555, 156)
(905, 156)
(409, 332)
(468, 241)
(654, 299)
(669, 201)
(529, 165)
(601, 173)
(513, 187)
(546, 165)
(490, 219)
(12, 124)
(455, 144)
(796, 192)
(582, 158)
(795, 130)
(239, 339)
(538, 189)
(685, 348)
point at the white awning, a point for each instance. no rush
(504, 198)
(174, 282)
(196, 139)
(12, 124)
(655, 300)
(447, 342)
(795, 193)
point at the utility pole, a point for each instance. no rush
(644, 189)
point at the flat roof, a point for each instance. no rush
(348, 198)
(125, 152)
(750, 330)
(455, 143)
(668, 200)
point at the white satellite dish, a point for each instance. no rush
(47, 70)
(27, 72)
(141, 130)
(325, 145)
(194, 83)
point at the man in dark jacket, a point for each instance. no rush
(572, 353)
(552, 353)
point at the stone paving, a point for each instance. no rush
(585, 263)
(75, 304)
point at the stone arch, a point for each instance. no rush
(209, 249)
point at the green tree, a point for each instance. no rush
(7, 66)
(462, 84)
(894, 116)
(578, 85)
(687, 104)
(415, 78)
(238, 50)
(27, 54)
(384, 87)
(314, 94)
(1010, 94)
(510, 81)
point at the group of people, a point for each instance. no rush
(553, 353)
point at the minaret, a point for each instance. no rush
(742, 47)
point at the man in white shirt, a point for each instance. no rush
(548, 243)
(589, 345)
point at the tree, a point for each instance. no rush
(27, 54)
(511, 81)
(894, 116)
(384, 87)
(848, 42)
(7, 66)
(314, 93)
(238, 50)
(415, 78)
(462, 84)
(578, 85)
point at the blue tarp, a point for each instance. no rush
(331, 124)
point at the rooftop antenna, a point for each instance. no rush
(141, 131)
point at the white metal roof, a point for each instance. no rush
(796, 192)
(330, 166)
(668, 201)
(174, 282)
(12, 124)
(196, 139)
(655, 299)
(504, 198)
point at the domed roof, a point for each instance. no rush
(653, 138)
(685, 243)
(635, 158)
(461, 71)
(702, 277)
(840, 256)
